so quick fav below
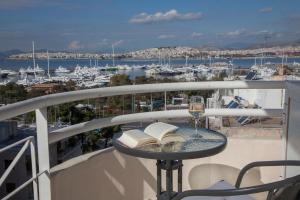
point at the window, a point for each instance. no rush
(7, 163)
(10, 187)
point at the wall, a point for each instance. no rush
(108, 174)
(293, 126)
(265, 98)
(8, 129)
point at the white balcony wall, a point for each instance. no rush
(293, 125)
(108, 174)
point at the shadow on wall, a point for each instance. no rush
(108, 175)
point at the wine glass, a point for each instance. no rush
(196, 109)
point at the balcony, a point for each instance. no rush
(108, 174)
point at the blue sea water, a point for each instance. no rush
(71, 63)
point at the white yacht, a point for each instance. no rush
(6, 72)
(296, 64)
(5, 82)
(124, 67)
(62, 70)
(39, 70)
(32, 71)
(24, 82)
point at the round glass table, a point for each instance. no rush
(196, 144)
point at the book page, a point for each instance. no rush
(158, 130)
(135, 138)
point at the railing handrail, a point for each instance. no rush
(15, 109)
(76, 129)
(15, 144)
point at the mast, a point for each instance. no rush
(48, 62)
(113, 56)
(261, 58)
(282, 59)
(159, 59)
(33, 58)
(186, 60)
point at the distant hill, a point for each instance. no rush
(8, 53)
(237, 45)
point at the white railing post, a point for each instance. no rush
(165, 100)
(43, 154)
(33, 165)
(151, 103)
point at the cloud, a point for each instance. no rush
(75, 45)
(266, 10)
(165, 36)
(15, 4)
(261, 33)
(244, 33)
(68, 34)
(197, 35)
(103, 42)
(236, 33)
(117, 43)
(9, 4)
(171, 15)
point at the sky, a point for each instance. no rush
(95, 25)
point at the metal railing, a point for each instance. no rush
(29, 141)
(40, 104)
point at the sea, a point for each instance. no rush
(243, 63)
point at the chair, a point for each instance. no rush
(287, 189)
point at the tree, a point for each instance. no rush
(35, 93)
(12, 93)
(120, 79)
(108, 133)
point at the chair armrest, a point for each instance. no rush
(264, 164)
(239, 191)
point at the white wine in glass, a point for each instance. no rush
(196, 108)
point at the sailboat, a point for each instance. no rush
(113, 54)
(32, 70)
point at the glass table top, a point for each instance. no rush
(195, 144)
(202, 139)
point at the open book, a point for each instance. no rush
(158, 132)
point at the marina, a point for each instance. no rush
(86, 73)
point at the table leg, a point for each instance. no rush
(158, 182)
(179, 176)
(169, 166)
(169, 179)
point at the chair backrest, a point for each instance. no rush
(287, 189)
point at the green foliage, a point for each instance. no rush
(120, 79)
(287, 70)
(108, 133)
(35, 93)
(68, 86)
(12, 93)
(29, 117)
(69, 113)
(219, 77)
